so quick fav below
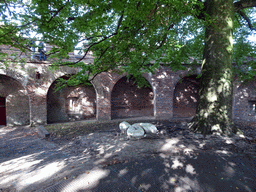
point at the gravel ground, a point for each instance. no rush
(28, 163)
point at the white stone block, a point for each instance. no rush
(135, 131)
(148, 127)
(123, 126)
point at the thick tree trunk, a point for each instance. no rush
(214, 111)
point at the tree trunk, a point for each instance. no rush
(214, 111)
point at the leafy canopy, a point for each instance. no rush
(132, 36)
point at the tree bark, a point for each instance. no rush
(214, 111)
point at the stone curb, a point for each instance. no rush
(42, 132)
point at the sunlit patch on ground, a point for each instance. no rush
(88, 180)
(176, 161)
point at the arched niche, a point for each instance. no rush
(70, 103)
(14, 102)
(127, 100)
(186, 97)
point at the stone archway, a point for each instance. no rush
(71, 103)
(127, 100)
(15, 102)
(186, 97)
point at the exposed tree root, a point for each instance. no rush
(208, 127)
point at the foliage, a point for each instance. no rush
(132, 36)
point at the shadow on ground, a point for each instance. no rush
(105, 161)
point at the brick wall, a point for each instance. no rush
(31, 100)
(244, 101)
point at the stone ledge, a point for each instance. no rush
(42, 132)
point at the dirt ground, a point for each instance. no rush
(28, 162)
(93, 139)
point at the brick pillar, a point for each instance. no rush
(103, 106)
(104, 84)
(38, 106)
(162, 82)
(38, 110)
(103, 95)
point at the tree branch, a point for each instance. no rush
(165, 36)
(91, 45)
(93, 77)
(119, 22)
(7, 6)
(105, 38)
(247, 19)
(101, 55)
(244, 4)
(56, 13)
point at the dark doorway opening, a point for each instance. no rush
(2, 111)
(185, 98)
(129, 101)
(71, 103)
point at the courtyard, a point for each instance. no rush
(93, 156)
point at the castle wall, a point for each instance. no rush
(30, 98)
